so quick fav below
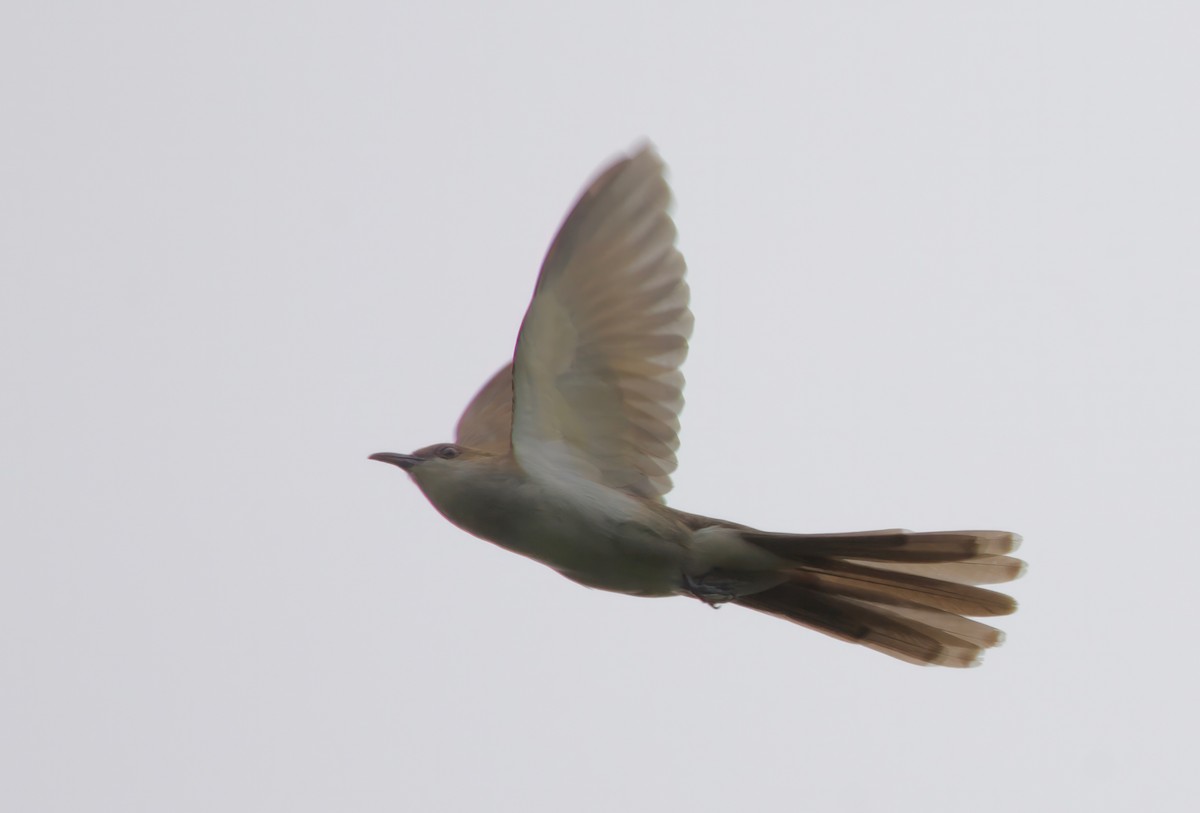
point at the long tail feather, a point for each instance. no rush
(901, 593)
(883, 587)
(980, 570)
(895, 545)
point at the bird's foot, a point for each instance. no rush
(712, 591)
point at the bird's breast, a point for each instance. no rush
(590, 533)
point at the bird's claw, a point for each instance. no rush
(714, 592)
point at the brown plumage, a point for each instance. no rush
(905, 594)
(565, 456)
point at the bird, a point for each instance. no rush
(566, 454)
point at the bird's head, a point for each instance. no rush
(441, 467)
(438, 454)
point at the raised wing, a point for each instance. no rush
(596, 383)
(486, 423)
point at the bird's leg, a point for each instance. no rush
(712, 591)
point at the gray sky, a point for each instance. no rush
(944, 262)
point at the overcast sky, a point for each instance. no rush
(944, 265)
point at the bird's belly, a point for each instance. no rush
(623, 559)
(602, 539)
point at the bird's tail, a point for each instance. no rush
(905, 594)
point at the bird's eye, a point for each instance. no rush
(447, 452)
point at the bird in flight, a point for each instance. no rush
(565, 457)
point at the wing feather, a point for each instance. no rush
(596, 384)
(486, 423)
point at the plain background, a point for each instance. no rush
(944, 263)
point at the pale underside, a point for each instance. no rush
(589, 410)
(594, 389)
